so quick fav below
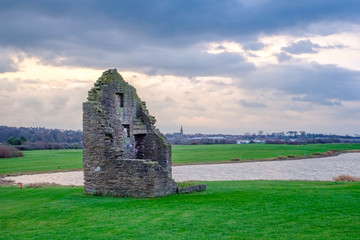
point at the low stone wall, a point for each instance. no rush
(129, 178)
(190, 189)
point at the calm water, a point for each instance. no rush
(323, 169)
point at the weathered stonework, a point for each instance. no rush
(124, 154)
(192, 188)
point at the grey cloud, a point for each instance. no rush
(31, 81)
(154, 60)
(304, 46)
(169, 100)
(6, 63)
(317, 100)
(220, 47)
(32, 102)
(34, 105)
(196, 108)
(338, 46)
(218, 83)
(283, 57)
(182, 17)
(252, 104)
(167, 37)
(59, 103)
(191, 62)
(7, 66)
(7, 86)
(255, 46)
(321, 84)
(151, 36)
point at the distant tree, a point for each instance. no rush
(13, 141)
(16, 141)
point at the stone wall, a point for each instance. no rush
(192, 188)
(124, 154)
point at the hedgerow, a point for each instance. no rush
(10, 152)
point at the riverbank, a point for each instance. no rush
(308, 169)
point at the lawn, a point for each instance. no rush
(226, 210)
(58, 160)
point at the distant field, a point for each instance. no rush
(43, 160)
(188, 154)
(54, 160)
(226, 210)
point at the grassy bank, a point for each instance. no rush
(189, 154)
(227, 210)
(57, 160)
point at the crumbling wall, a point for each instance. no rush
(124, 154)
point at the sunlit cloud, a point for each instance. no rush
(342, 49)
(39, 95)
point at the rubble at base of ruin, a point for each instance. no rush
(123, 154)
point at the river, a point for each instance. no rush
(319, 169)
(311, 169)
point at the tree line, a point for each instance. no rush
(28, 138)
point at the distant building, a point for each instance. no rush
(179, 138)
(243, 141)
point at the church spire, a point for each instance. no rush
(181, 131)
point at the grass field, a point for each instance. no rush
(54, 160)
(187, 154)
(42, 160)
(226, 210)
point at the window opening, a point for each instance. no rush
(126, 129)
(119, 99)
(140, 146)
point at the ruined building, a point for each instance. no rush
(124, 154)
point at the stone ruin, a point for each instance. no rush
(124, 154)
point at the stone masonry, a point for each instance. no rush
(124, 154)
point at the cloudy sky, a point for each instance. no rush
(213, 66)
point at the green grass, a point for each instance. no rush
(53, 160)
(226, 210)
(42, 160)
(187, 154)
